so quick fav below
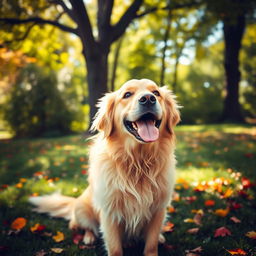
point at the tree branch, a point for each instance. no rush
(65, 8)
(25, 35)
(126, 19)
(38, 20)
(103, 18)
(83, 23)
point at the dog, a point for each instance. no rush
(132, 170)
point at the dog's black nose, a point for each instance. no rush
(147, 100)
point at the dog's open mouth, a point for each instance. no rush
(145, 129)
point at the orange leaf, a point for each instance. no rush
(222, 231)
(168, 227)
(19, 223)
(37, 228)
(251, 234)
(59, 237)
(19, 185)
(171, 209)
(228, 193)
(237, 252)
(209, 203)
(222, 212)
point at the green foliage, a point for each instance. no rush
(36, 106)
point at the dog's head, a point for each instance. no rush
(139, 110)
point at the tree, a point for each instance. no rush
(96, 46)
(233, 14)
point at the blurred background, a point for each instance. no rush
(57, 57)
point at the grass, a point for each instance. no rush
(204, 153)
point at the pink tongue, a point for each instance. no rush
(147, 130)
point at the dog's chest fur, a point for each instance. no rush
(132, 193)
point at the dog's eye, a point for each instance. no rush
(156, 93)
(127, 95)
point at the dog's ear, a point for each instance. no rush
(104, 118)
(172, 109)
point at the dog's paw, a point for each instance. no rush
(89, 237)
(161, 239)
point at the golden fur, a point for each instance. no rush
(130, 181)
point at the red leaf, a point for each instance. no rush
(237, 252)
(37, 228)
(209, 203)
(235, 206)
(246, 183)
(249, 155)
(222, 231)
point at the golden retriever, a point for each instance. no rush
(132, 170)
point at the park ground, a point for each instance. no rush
(213, 210)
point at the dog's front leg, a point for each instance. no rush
(112, 235)
(152, 233)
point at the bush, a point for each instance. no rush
(36, 107)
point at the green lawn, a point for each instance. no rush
(215, 162)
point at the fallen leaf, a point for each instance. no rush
(41, 253)
(190, 199)
(251, 234)
(237, 252)
(188, 220)
(19, 223)
(221, 212)
(193, 231)
(235, 206)
(19, 185)
(235, 219)
(222, 231)
(198, 219)
(171, 209)
(59, 237)
(246, 183)
(84, 172)
(195, 252)
(57, 250)
(23, 180)
(209, 203)
(249, 155)
(228, 193)
(37, 228)
(168, 227)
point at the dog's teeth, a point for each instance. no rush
(134, 126)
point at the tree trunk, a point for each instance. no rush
(97, 76)
(115, 62)
(166, 37)
(233, 33)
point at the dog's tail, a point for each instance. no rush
(56, 205)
